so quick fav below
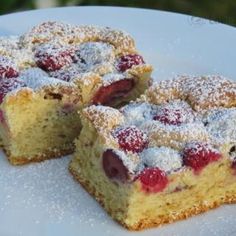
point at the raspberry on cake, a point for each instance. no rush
(167, 156)
(54, 70)
(52, 57)
(153, 180)
(131, 139)
(198, 155)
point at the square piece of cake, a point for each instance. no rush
(167, 156)
(54, 70)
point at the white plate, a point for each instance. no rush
(42, 199)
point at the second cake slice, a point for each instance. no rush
(54, 70)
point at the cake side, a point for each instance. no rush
(36, 126)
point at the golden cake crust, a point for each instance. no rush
(48, 31)
(103, 118)
(203, 92)
(144, 224)
(37, 158)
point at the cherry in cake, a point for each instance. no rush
(113, 166)
(233, 166)
(128, 61)
(119, 89)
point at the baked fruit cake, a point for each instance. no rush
(49, 73)
(169, 155)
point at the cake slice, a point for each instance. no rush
(54, 70)
(165, 157)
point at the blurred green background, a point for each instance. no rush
(217, 10)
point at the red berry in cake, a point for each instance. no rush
(153, 179)
(234, 165)
(198, 155)
(232, 155)
(66, 74)
(131, 139)
(107, 95)
(127, 61)
(2, 119)
(61, 74)
(7, 85)
(8, 68)
(169, 117)
(113, 166)
(51, 57)
(174, 113)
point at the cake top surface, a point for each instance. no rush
(201, 92)
(53, 53)
(169, 118)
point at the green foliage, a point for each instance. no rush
(221, 10)
(7, 6)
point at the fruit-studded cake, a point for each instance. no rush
(169, 155)
(49, 73)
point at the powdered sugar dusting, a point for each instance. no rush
(211, 91)
(36, 78)
(174, 136)
(130, 138)
(67, 52)
(9, 43)
(47, 188)
(170, 115)
(104, 118)
(175, 112)
(120, 39)
(51, 57)
(131, 162)
(161, 132)
(67, 73)
(111, 78)
(195, 147)
(164, 158)
(156, 140)
(91, 54)
(221, 124)
(8, 68)
(73, 34)
(48, 31)
(10, 47)
(201, 92)
(9, 86)
(136, 113)
(33, 73)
